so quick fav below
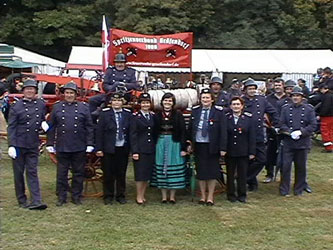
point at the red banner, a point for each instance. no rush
(172, 51)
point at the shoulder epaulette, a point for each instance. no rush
(127, 110)
(135, 113)
(310, 105)
(218, 107)
(196, 107)
(248, 114)
(42, 99)
(284, 105)
(106, 109)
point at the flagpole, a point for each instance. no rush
(105, 45)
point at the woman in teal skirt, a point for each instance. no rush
(169, 170)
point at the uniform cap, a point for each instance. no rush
(29, 83)
(250, 82)
(117, 95)
(290, 83)
(297, 91)
(120, 57)
(70, 85)
(205, 91)
(144, 97)
(323, 85)
(216, 79)
(234, 81)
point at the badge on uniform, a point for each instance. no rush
(211, 122)
(240, 130)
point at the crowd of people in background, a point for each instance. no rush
(251, 128)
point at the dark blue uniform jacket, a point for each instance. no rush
(241, 136)
(24, 123)
(113, 77)
(142, 134)
(217, 129)
(106, 130)
(258, 106)
(301, 117)
(71, 128)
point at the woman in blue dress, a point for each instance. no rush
(142, 146)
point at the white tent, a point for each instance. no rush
(291, 64)
(45, 65)
(261, 61)
(228, 61)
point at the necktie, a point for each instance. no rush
(147, 117)
(120, 124)
(204, 131)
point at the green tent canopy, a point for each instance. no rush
(17, 64)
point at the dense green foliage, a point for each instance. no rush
(52, 27)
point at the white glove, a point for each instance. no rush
(277, 130)
(12, 152)
(51, 149)
(45, 126)
(296, 134)
(89, 149)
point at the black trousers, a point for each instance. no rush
(114, 168)
(272, 149)
(76, 162)
(26, 161)
(236, 166)
(299, 157)
(257, 164)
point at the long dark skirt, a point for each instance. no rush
(207, 165)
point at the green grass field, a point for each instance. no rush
(267, 221)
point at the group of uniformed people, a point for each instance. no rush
(158, 142)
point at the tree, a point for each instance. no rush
(53, 27)
(299, 27)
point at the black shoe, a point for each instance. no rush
(285, 195)
(268, 180)
(122, 201)
(242, 199)
(77, 201)
(107, 201)
(252, 188)
(173, 202)
(201, 202)
(232, 200)
(37, 206)
(308, 189)
(164, 201)
(60, 203)
(139, 203)
(24, 205)
(210, 203)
